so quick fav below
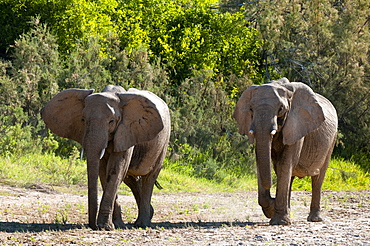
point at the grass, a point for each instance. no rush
(176, 182)
(341, 175)
(55, 171)
(47, 168)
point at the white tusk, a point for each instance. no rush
(251, 132)
(82, 154)
(102, 153)
(273, 132)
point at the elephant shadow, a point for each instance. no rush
(12, 227)
(201, 224)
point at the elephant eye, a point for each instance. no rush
(281, 109)
(83, 120)
(111, 121)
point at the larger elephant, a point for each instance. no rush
(296, 129)
(124, 135)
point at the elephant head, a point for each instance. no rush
(277, 111)
(95, 119)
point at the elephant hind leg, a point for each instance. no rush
(117, 215)
(143, 190)
(136, 187)
(315, 212)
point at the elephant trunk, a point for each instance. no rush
(92, 171)
(94, 145)
(264, 137)
(263, 158)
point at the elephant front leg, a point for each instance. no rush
(116, 169)
(284, 170)
(266, 202)
(282, 203)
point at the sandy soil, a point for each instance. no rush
(41, 216)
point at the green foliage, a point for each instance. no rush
(81, 20)
(27, 82)
(198, 59)
(71, 20)
(223, 162)
(16, 138)
(324, 44)
(185, 35)
(200, 39)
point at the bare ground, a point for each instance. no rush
(40, 216)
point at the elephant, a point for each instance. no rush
(124, 135)
(296, 129)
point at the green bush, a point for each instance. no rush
(197, 58)
(324, 44)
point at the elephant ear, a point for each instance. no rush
(305, 114)
(243, 114)
(141, 120)
(63, 113)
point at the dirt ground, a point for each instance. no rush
(41, 216)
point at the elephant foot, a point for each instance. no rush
(105, 222)
(117, 217)
(269, 210)
(314, 217)
(142, 223)
(93, 226)
(278, 219)
(118, 223)
(106, 226)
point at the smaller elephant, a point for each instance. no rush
(124, 135)
(296, 129)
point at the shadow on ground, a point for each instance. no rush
(36, 227)
(12, 227)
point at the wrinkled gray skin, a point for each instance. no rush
(294, 127)
(133, 129)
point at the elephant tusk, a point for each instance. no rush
(273, 132)
(251, 132)
(82, 154)
(102, 154)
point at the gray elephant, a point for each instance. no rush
(296, 129)
(124, 135)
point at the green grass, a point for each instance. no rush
(53, 170)
(48, 168)
(341, 175)
(173, 182)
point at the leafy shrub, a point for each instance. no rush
(325, 45)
